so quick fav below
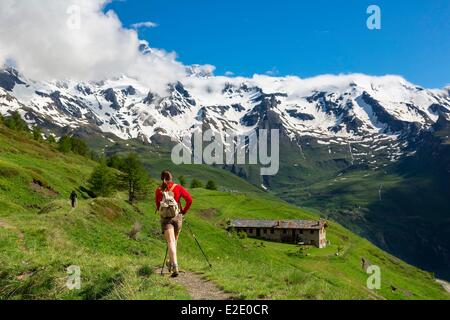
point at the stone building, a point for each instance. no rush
(306, 232)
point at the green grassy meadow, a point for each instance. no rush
(40, 237)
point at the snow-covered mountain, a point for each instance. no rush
(367, 114)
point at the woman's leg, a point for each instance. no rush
(169, 234)
(177, 234)
(178, 226)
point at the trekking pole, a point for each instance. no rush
(164, 263)
(198, 243)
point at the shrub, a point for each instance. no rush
(79, 147)
(211, 185)
(133, 233)
(51, 207)
(242, 235)
(135, 177)
(300, 253)
(51, 139)
(37, 133)
(67, 144)
(182, 180)
(295, 277)
(196, 184)
(15, 122)
(8, 172)
(116, 162)
(103, 181)
(145, 271)
(94, 156)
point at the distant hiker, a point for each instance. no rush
(73, 199)
(168, 197)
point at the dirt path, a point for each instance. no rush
(444, 284)
(6, 225)
(197, 287)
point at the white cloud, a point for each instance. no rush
(229, 73)
(273, 72)
(146, 24)
(47, 40)
(295, 87)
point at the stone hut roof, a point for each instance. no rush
(279, 224)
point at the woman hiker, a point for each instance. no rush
(171, 227)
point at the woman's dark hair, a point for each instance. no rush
(166, 175)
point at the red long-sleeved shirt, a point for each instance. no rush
(178, 193)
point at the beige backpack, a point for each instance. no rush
(169, 207)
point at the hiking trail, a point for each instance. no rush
(198, 287)
(6, 225)
(444, 284)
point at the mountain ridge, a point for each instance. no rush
(348, 106)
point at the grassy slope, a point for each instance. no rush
(40, 237)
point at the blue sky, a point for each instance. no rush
(303, 38)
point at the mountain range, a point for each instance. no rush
(333, 109)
